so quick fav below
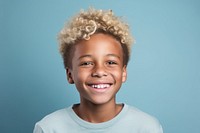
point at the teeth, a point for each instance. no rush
(101, 86)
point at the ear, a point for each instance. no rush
(124, 73)
(69, 76)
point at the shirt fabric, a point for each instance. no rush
(129, 120)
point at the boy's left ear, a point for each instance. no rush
(124, 74)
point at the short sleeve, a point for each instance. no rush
(160, 129)
(155, 129)
(37, 129)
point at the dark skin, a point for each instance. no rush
(98, 73)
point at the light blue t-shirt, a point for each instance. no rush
(129, 120)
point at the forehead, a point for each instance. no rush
(99, 44)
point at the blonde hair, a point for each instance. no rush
(89, 22)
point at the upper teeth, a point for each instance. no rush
(101, 86)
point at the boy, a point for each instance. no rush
(95, 46)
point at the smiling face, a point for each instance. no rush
(97, 69)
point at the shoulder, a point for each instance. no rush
(140, 115)
(55, 116)
(143, 120)
(52, 121)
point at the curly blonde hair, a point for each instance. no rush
(89, 22)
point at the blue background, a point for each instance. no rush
(164, 72)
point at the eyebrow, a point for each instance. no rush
(114, 55)
(90, 56)
(84, 56)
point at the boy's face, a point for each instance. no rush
(97, 69)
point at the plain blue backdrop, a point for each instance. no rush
(164, 71)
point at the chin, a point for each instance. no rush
(101, 101)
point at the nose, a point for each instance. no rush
(99, 71)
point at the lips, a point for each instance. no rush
(100, 86)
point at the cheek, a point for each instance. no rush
(118, 75)
(81, 75)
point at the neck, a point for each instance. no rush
(97, 113)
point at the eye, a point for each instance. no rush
(86, 63)
(112, 63)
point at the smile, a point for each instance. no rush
(101, 86)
